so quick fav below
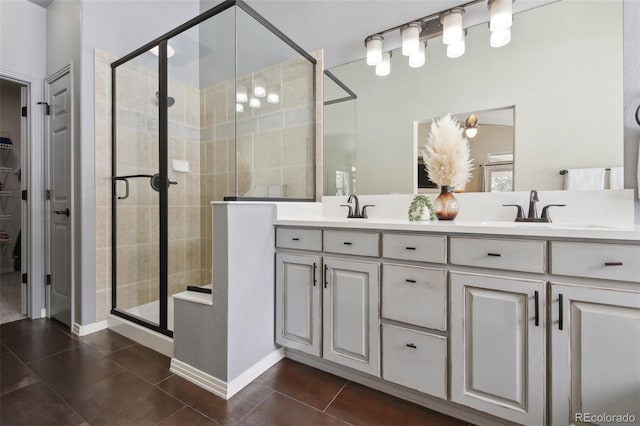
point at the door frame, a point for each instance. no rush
(67, 69)
(32, 181)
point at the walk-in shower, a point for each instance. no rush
(222, 107)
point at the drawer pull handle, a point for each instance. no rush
(411, 345)
(560, 313)
(612, 263)
(494, 254)
(296, 239)
(410, 248)
(537, 308)
(347, 243)
(411, 281)
(326, 276)
(315, 279)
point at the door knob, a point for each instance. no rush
(65, 212)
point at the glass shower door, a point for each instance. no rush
(136, 212)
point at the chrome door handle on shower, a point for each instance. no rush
(65, 212)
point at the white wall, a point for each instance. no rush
(22, 56)
(550, 81)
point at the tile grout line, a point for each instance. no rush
(180, 400)
(335, 396)
(256, 406)
(311, 406)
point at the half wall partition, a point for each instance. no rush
(220, 108)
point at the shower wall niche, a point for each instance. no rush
(222, 108)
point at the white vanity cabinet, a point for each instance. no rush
(298, 302)
(350, 311)
(497, 345)
(595, 354)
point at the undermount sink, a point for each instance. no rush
(544, 225)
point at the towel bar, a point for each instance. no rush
(564, 172)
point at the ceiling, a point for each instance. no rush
(42, 3)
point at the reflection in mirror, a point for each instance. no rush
(339, 137)
(563, 70)
(491, 140)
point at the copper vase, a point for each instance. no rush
(446, 206)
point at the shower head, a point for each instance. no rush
(170, 100)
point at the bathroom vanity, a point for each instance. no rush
(489, 322)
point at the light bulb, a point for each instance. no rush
(259, 88)
(500, 14)
(457, 49)
(374, 49)
(411, 38)
(452, 26)
(239, 108)
(500, 38)
(254, 103)
(471, 132)
(384, 67)
(418, 59)
(241, 96)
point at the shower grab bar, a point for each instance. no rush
(153, 180)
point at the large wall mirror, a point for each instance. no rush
(561, 75)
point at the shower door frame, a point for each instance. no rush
(163, 139)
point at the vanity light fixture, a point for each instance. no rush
(471, 126)
(418, 59)
(384, 67)
(373, 45)
(254, 102)
(156, 51)
(259, 88)
(452, 26)
(448, 24)
(411, 38)
(241, 96)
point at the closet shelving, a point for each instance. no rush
(4, 195)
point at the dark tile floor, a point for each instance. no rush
(49, 377)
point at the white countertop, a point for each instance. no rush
(629, 233)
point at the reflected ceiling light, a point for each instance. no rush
(452, 26)
(259, 88)
(254, 102)
(273, 97)
(500, 14)
(384, 67)
(241, 96)
(374, 49)
(411, 38)
(456, 49)
(156, 51)
(418, 59)
(500, 38)
(239, 108)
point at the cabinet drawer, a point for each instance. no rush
(299, 238)
(352, 242)
(513, 255)
(422, 248)
(414, 295)
(415, 360)
(594, 260)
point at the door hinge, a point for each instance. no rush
(47, 110)
(23, 111)
(48, 194)
(25, 279)
(48, 279)
(24, 195)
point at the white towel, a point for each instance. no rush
(638, 172)
(616, 178)
(584, 179)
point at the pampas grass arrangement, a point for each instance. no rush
(446, 157)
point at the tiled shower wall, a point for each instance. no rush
(274, 156)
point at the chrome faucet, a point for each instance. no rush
(533, 213)
(354, 212)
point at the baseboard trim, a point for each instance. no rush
(149, 338)
(83, 330)
(219, 387)
(445, 407)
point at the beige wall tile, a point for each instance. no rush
(267, 149)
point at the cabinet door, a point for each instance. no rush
(497, 346)
(298, 312)
(595, 355)
(351, 314)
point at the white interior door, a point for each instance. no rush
(60, 184)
